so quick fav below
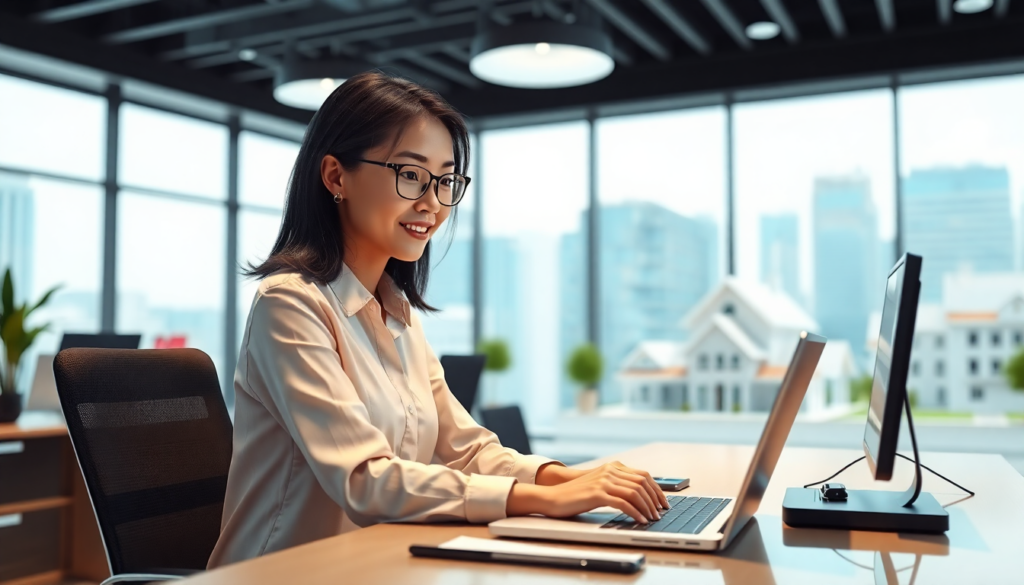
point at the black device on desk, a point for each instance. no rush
(909, 511)
(100, 340)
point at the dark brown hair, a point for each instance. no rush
(364, 112)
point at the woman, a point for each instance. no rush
(342, 415)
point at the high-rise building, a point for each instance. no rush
(654, 265)
(17, 231)
(847, 276)
(957, 219)
(780, 253)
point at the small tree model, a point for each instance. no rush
(586, 367)
(499, 359)
(1014, 371)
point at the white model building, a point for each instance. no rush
(742, 338)
(962, 344)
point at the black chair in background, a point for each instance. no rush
(507, 423)
(462, 373)
(153, 439)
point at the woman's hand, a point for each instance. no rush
(613, 484)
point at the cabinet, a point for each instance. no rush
(48, 531)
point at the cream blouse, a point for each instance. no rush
(342, 421)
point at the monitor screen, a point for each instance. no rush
(892, 358)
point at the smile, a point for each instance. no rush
(416, 228)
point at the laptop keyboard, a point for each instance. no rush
(686, 515)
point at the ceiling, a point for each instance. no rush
(229, 49)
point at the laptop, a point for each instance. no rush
(692, 523)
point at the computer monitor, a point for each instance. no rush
(892, 362)
(909, 511)
(100, 340)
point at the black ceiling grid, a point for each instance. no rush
(229, 50)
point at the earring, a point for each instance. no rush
(337, 198)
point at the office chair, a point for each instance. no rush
(462, 374)
(507, 423)
(153, 439)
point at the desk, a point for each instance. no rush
(48, 531)
(985, 543)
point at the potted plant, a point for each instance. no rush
(16, 340)
(586, 367)
(499, 359)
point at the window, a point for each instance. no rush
(729, 309)
(815, 204)
(737, 399)
(959, 203)
(702, 361)
(661, 210)
(51, 234)
(686, 396)
(915, 368)
(170, 281)
(1018, 338)
(643, 394)
(940, 368)
(264, 167)
(702, 398)
(719, 362)
(735, 362)
(997, 367)
(33, 114)
(940, 341)
(972, 338)
(940, 396)
(534, 189)
(977, 393)
(997, 339)
(972, 367)
(157, 146)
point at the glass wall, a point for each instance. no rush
(813, 195)
(264, 170)
(662, 192)
(962, 173)
(51, 227)
(534, 278)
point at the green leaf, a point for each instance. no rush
(42, 301)
(7, 298)
(12, 333)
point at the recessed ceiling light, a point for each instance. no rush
(247, 54)
(971, 6)
(762, 31)
(541, 55)
(307, 84)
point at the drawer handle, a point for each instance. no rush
(10, 520)
(11, 447)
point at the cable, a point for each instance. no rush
(859, 459)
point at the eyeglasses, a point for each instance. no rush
(411, 182)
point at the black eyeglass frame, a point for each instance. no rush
(435, 179)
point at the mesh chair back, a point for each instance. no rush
(462, 374)
(153, 438)
(507, 423)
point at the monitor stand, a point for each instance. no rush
(909, 511)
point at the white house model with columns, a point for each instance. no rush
(742, 337)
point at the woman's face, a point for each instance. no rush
(375, 219)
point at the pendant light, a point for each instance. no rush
(306, 84)
(541, 54)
